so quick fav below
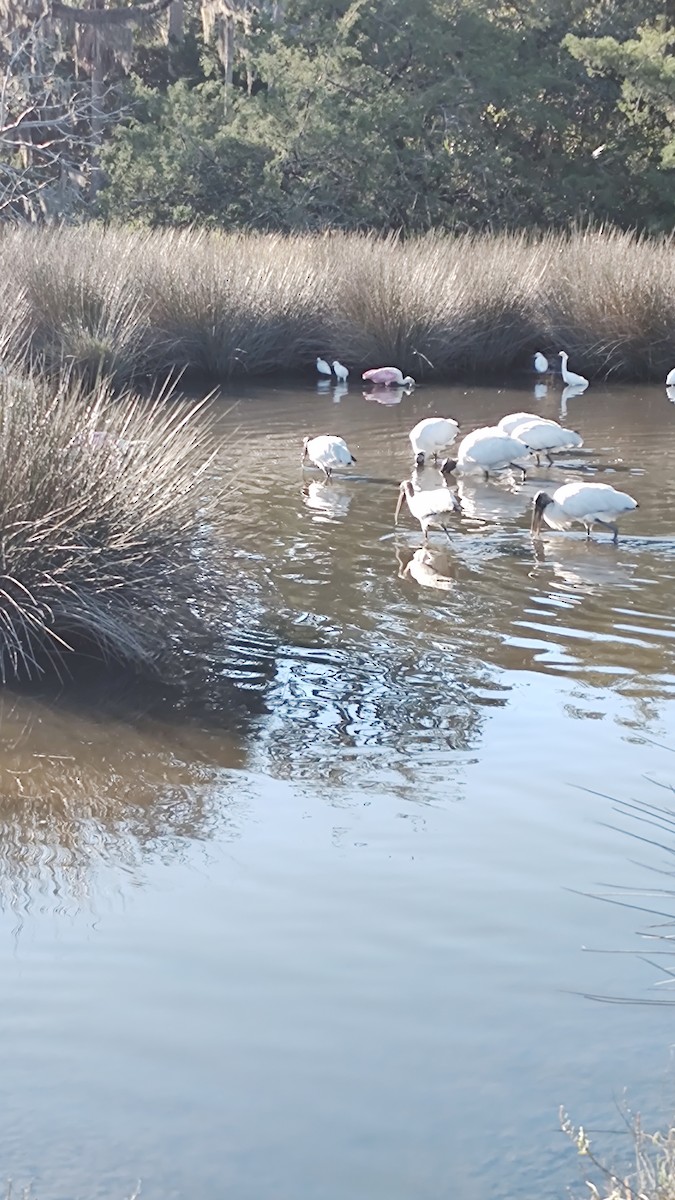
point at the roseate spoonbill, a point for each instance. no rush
(570, 377)
(540, 363)
(431, 435)
(323, 367)
(389, 375)
(341, 373)
(488, 449)
(670, 378)
(327, 451)
(589, 503)
(432, 508)
(541, 437)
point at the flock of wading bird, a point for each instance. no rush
(518, 441)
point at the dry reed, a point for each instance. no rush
(140, 304)
(101, 524)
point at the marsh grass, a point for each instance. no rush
(134, 304)
(101, 523)
(653, 1174)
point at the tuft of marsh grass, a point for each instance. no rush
(131, 304)
(653, 1173)
(100, 525)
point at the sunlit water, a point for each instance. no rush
(335, 947)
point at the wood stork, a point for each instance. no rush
(589, 503)
(570, 377)
(540, 363)
(327, 451)
(488, 449)
(432, 435)
(433, 508)
(388, 376)
(670, 378)
(341, 373)
(544, 436)
(323, 367)
(508, 423)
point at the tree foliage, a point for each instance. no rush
(393, 114)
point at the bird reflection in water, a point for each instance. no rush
(327, 498)
(339, 391)
(569, 393)
(581, 564)
(492, 501)
(540, 390)
(428, 566)
(387, 395)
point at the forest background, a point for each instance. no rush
(298, 115)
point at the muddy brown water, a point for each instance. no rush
(340, 948)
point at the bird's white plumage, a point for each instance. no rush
(508, 423)
(670, 378)
(490, 449)
(341, 372)
(433, 434)
(586, 503)
(545, 436)
(540, 363)
(432, 507)
(323, 367)
(327, 451)
(570, 377)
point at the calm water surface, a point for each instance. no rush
(336, 948)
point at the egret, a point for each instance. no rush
(323, 367)
(509, 422)
(388, 376)
(431, 435)
(589, 503)
(570, 377)
(432, 508)
(541, 437)
(488, 449)
(540, 363)
(341, 372)
(670, 378)
(327, 451)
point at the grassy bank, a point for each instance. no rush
(140, 304)
(100, 527)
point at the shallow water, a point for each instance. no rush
(337, 947)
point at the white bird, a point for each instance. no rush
(544, 436)
(670, 378)
(341, 373)
(540, 363)
(589, 503)
(570, 377)
(432, 435)
(431, 508)
(327, 451)
(488, 449)
(323, 367)
(509, 422)
(670, 393)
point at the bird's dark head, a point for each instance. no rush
(305, 444)
(448, 466)
(419, 458)
(539, 504)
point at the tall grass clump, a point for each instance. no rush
(101, 525)
(653, 1172)
(132, 304)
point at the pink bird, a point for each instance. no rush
(388, 376)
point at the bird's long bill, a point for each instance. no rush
(537, 518)
(401, 494)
